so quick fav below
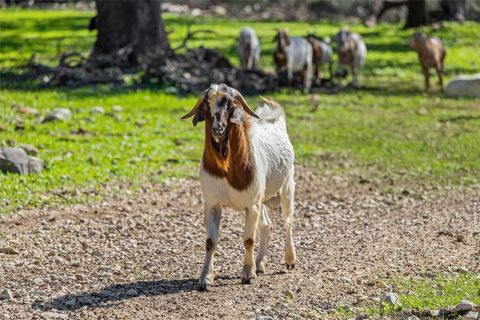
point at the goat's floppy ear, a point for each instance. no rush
(237, 116)
(238, 96)
(197, 111)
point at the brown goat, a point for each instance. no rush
(431, 54)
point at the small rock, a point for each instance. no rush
(61, 114)
(464, 306)
(27, 110)
(179, 142)
(29, 149)
(390, 299)
(16, 160)
(117, 108)
(131, 292)
(97, 109)
(8, 250)
(263, 318)
(6, 294)
(54, 315)
(413, 318)
(289, 294)
(460, 237)
(71, 302)
(472, 315)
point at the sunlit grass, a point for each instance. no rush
(388, 130)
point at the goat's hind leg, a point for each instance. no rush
(287, 202)
(212, 222)
(264, 239)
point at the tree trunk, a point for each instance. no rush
(417, 14)
(130, 31)
(453, 9)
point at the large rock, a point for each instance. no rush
(467, 86)
(16, 160)
(61, 114)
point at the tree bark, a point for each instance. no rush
(416, 16)
(130, 31)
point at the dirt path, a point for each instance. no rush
(139, 256)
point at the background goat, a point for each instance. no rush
(431, 54)
(248, 49)
(247, 164)
(322, 54)
(294, 53)
(352, 52)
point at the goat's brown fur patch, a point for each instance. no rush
(235, 163)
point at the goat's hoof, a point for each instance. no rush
(290, 266)
(260, 267)
(247, 281)
(204, 287)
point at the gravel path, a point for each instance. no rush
(139, 255)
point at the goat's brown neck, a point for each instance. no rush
(231, 158)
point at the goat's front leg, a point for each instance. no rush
(426, 74)
(213, 215)
(252, 217)
(438, 69)
(264, 239)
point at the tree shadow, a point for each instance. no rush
(114, 293)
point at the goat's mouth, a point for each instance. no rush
(219, 137)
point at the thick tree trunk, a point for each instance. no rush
(416, 16)
(453, 9)
(130, 31)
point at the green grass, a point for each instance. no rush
(423, 294)
(388, 130)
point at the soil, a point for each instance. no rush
(138, 255)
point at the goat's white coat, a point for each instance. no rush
(248, 37)
(299, 55)
(273, 158)
(359, 55)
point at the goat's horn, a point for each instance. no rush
(244, 104)
(197, 105)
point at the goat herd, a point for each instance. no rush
(308, 55)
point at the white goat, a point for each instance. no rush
(247, 164)
(352, 53)
(248, 49)
(294, 53)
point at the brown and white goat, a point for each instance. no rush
(352, 53)
(248, 48)
(247, 165)
(431, 54)
(322, 54)
(294, 54)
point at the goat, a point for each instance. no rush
(248, 49)
(322, 54)
(431, 54)
(294, 53)
(248, 164)
(352, 52)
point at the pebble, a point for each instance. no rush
(131, 292)
(97, 109)
(61, 114)
(289, 294)
(6, 294)
(54, 315)
(390, 299)
(117, 108)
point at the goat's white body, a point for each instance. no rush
(359, 55)
(248, 49)
(273, 159)
(299, 57)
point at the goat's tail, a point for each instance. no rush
(270, 111)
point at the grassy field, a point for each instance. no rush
(388, 130)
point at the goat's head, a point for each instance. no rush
(416, 39)
(282, 38)
(311, 37)
(221, 106)
(343, 40)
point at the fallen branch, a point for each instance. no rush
(190, 35)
